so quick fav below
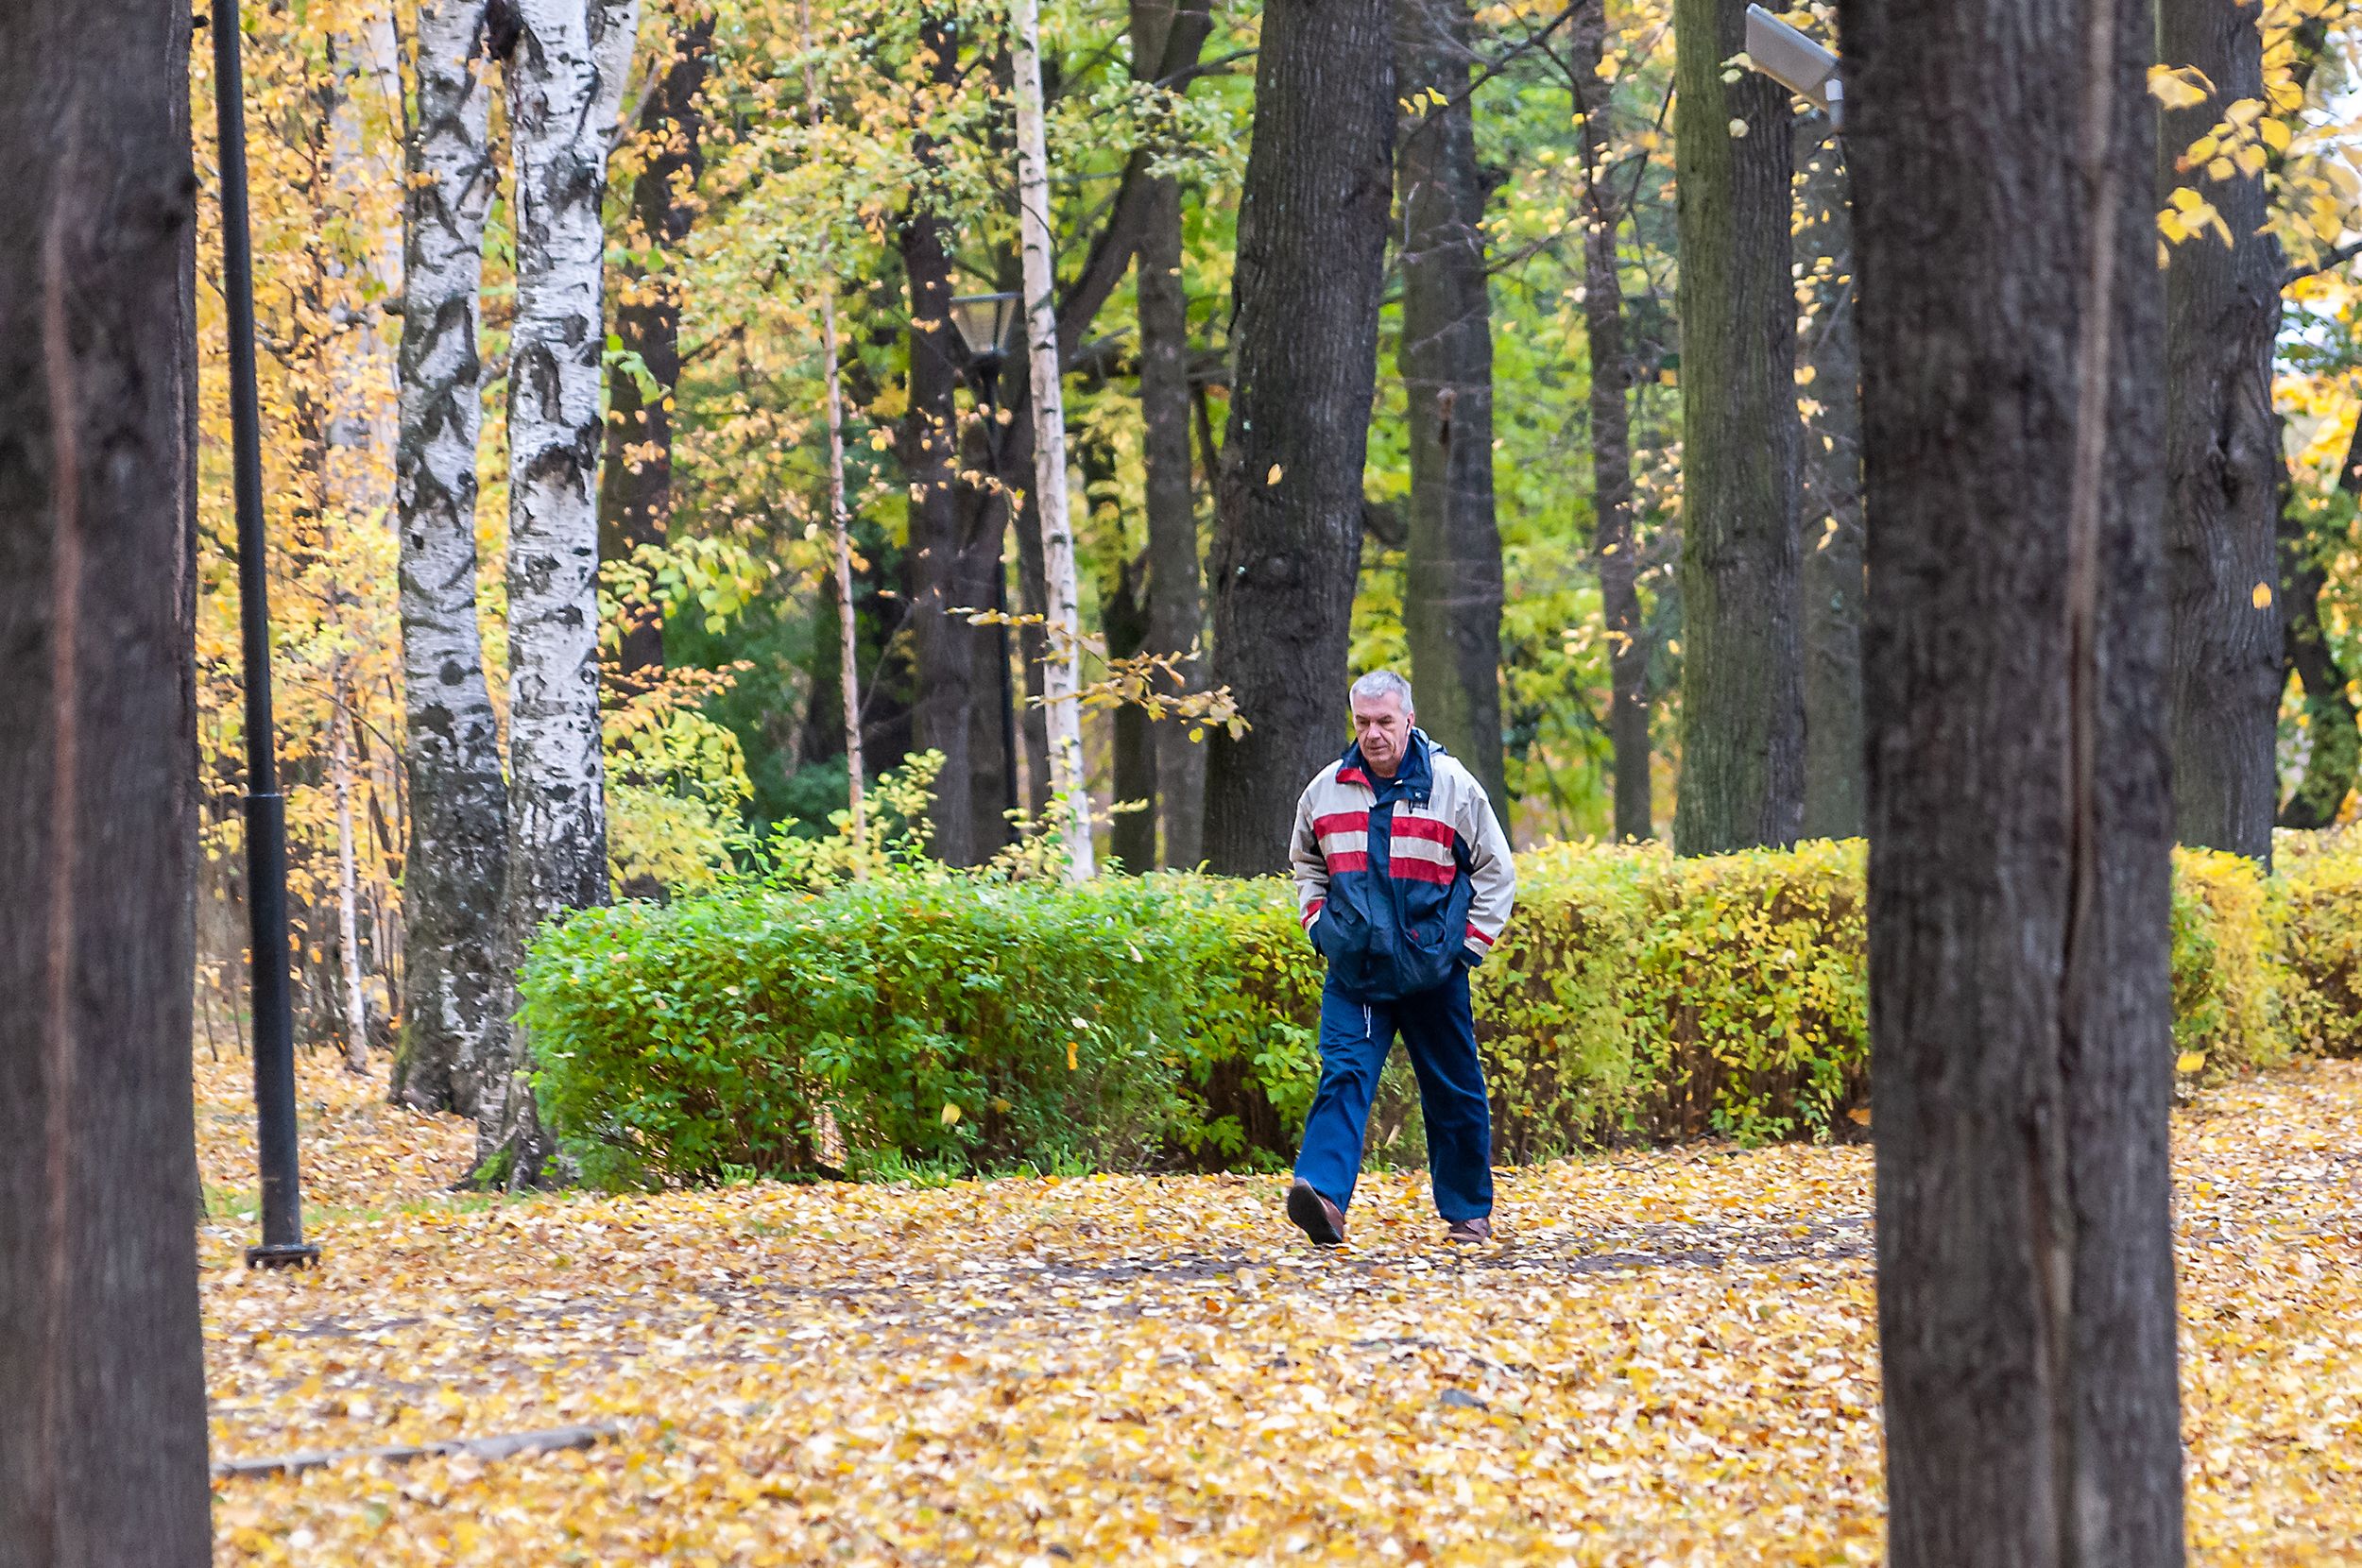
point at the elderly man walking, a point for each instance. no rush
(1404, 879)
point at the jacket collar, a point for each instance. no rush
(1416, 779)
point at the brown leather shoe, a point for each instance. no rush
(1315, 1216)
(1477, 1230)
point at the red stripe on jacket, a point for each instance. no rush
(1341, 822)
(1433, 829)
(1421, 870)
(1479, 936)
(1348, 860)
(1312, 912)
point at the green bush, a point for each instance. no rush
(2320, 941)
(941, 1021)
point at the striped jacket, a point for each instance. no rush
(1400, 880)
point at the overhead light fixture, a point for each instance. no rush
(1796, 62)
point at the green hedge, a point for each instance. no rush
(929, 1020)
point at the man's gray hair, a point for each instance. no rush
(1379, 683)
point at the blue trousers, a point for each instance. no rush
(1440, 1033)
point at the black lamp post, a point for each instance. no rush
(984, 323)
(265, 808)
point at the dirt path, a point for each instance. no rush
(1670, 1357)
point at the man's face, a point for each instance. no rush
(1383, 724)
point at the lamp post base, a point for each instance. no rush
(282, 1254)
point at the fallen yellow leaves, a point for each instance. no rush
(1671, 1357)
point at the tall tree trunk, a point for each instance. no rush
(636, 483)
(1132, 838)
(1175, 606)
(2333, 751)
(454, 1013)
(357, 473)
(2223, 311)
(1611, 442)
(1742, 721)
(955, 549)
(841, 549)
(1451, 601)
(1312, 250)
(1017, 463)
(565, 82)
(1062, 672)
(1832, 537)
(102, 1454)
(347, 880)
(2020, 820)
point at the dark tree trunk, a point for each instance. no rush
(2223, 311)
(102, 1450)
(1031, 598)
(2335, 748)
(1611, 444)
(1451, 598)
(635, 488)
(1125, 620)
(1831, 533)
(955, 549)
(1176, 607)
(2020, 821)
(1743, 719)
(1313, 223)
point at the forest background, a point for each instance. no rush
(783, 174)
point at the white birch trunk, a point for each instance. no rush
(565, 83)
(1062, 671)
(840, 528)
(348, 882)
(454, 990)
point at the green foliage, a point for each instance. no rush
(941, 1022)
(2226, 969)
(2320, 941)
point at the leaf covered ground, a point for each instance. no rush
(1669, 1357)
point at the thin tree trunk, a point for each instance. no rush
(357, 473)
(2333, 747)
(102, 1452)
(454, 1016)
(1132, 838)
(840, 528)
(348, 888)
(841, 539)
(1312, 250)
(1062, 671)
(565, 82)
(1451, 599)
(1611, 443)
(1833, 537)
(2222, 312)
(1742, 718)
(1124, 616)
(636, 482)
(1018, 460)
(2020, 821)
(1175, 606)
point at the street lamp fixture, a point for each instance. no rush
(1796, 62)
(984, 323)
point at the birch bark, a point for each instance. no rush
(454, 1017)
(565, 84)
(1062, 669)
(347, 890)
